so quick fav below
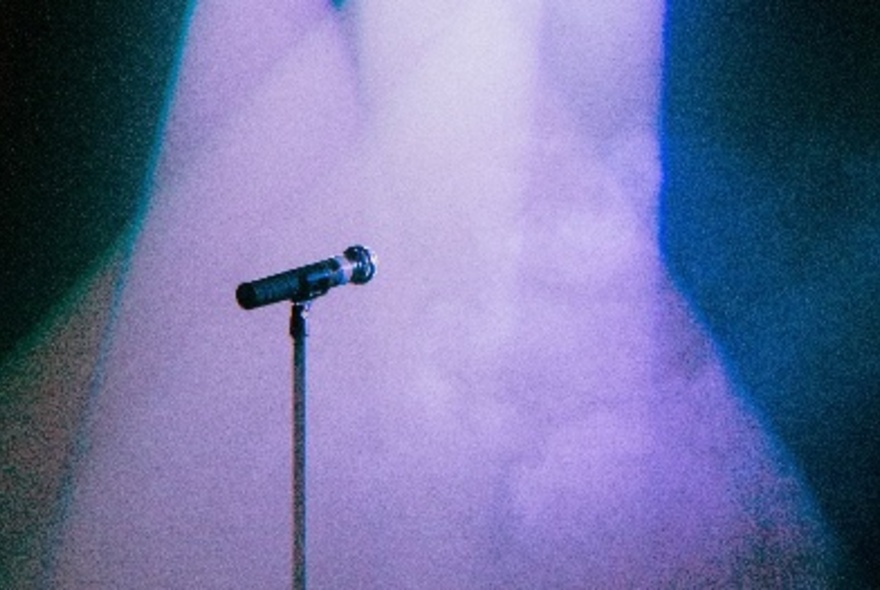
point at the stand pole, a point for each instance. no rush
(299, 333)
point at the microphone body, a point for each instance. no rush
(356, 265)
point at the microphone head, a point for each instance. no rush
(364, 264)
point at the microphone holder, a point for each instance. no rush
(300, 286)
(299, 331)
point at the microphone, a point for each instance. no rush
(356, 265)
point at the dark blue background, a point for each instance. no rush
(83, 92)
(771, 225)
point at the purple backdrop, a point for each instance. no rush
(519, 399)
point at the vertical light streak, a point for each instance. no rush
(517, 401)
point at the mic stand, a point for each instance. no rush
(356, 265)
(299, 332)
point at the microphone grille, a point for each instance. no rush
(364, 264)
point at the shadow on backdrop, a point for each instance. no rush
(772, 226)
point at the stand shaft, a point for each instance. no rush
(299, 333)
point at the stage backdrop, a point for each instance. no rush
(520, 399)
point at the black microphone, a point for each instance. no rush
(356, 265)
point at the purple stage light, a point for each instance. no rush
(522, 401)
